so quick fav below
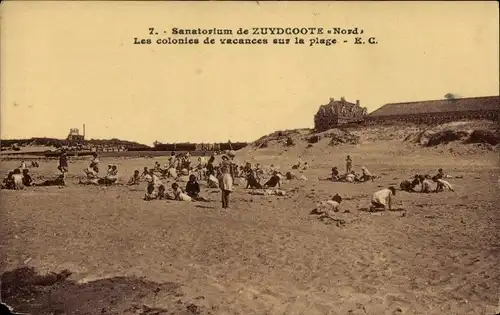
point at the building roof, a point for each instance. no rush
(439, 106)
(331, 106)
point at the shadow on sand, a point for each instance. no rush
(30, 293)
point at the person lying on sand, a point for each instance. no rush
(409, 186)
(58, 181)
(382, 199)
(268, 192)
(442, 185)
(134, 179)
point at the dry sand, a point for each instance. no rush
(266, 254)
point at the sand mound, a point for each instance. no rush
(462, 132)
(484, 136)
(284, 137)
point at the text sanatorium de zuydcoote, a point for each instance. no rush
(260, 32)
(264, 31)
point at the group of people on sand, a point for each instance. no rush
(17, 179)
(350, 176)
(427, 183)
(223, 176)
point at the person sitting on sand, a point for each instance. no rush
(8, 182)
(111, 176)
(192, 187)
(290, 176)
(157, 167)
(27, 180)
(382, 199)
(58, 181)
(366, 175)
(441, 174)
(441, 184)
(274, 181)
(252, 181)
(350, 177)
(335, 174)
(426, 184)
(94, 163)
(179, 193)
(150, 192)
(17, 179)
(150, 177)
(134, 179)
(306, 166)
(91, 172)
(162, 193)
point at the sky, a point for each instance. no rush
(65, 64)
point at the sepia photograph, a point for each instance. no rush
(249, 157)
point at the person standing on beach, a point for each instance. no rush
(348, 164)
(63, 165)
(225, 181)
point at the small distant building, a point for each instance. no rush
(337, 113)
(74, 135)
(438, 111)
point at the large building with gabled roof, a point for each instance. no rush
(338, 112)
(438, 111)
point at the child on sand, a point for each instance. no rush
(63, 163)
(382, 199)
(17, 179)
(150, 192)
(135, 179)
(179, 194)
(27, 180)
(274, 181)
(348, 164)
(442, 185)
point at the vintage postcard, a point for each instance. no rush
(249, 157)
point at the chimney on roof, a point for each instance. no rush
(342, 99)
(357, 103)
